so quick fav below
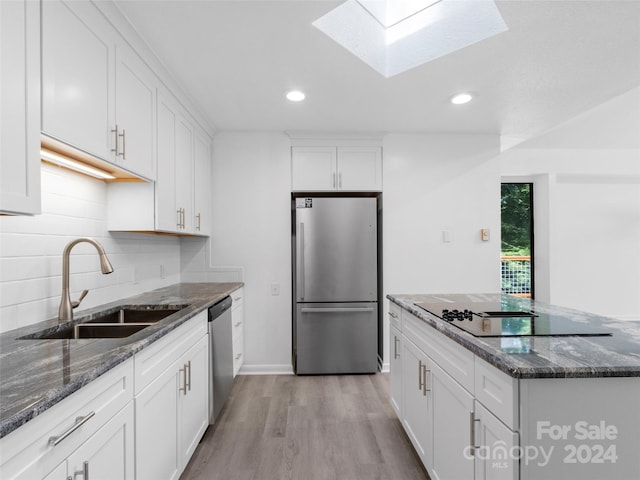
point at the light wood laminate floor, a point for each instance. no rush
(285, 427)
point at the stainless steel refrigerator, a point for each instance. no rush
(335, 267)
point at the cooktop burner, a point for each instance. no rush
(496, 320)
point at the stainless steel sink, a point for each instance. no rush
(96, 330)
(113, 323)
(141, 314)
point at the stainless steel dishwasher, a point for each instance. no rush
(220, 356)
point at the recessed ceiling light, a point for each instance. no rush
(461, 98)
(295, 95)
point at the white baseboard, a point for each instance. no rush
(284, 369)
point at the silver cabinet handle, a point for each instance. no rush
(179, 223)
(393, 315)
(183, 221)
(425, 388)
(78, 423)
(238, 324)
(84, 472)
(183, 388)
(198, 222)
(188, 366)
(117, 149)
(472, 432)
(124, 144)
(238, 356)
(419, 374)
(396, 340)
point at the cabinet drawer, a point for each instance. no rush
(238, 298)
(394, 316)
(457, 361)
(498, 392)
(157, 358)
(27, 450)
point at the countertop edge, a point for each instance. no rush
(469, 342)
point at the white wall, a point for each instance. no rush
(31, 253)
(252, 228)
(431, 183)
(586, 176)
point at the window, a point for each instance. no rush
(516, 257)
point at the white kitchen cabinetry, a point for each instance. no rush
(20, 107)
(491, 432)
(237, 320)
(135, 114)
(178, 202)
(395, 360)
(336, 168)
(417, 417)
(171, 400)
(97, 94)
(94, 425)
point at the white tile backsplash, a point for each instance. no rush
(31, 253)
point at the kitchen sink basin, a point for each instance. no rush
(135, 315)
(114, 323)
(96, 330)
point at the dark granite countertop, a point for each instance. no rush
(617, 355)
(37, 374)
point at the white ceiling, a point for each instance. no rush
(237, 58)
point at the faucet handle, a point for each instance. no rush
(77, 302)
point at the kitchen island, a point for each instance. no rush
(493, 386)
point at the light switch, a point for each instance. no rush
(446, 236)
(485, 234)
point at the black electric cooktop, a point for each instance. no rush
(509, 320)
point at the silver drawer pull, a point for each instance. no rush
(78, 423)
(238, 324)
(84, 472)
(393, 315)
(238, 356)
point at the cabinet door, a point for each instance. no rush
(313, 168)
(167, 215)
(157, 429)
(493, 441)
(417, 415)
(184, 173)
(109, 453)
(452, 418)
(202, 185)
(59, 473)
(77, 83)
(20, 107)
(194, 399)
(135, 113)
(359, 168)
(395, 367)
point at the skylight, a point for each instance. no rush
(393, 36)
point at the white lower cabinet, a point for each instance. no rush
(237, 320)
(493, 447)
(395, 367)
(93, 425)
(172, 410)
(417, 417)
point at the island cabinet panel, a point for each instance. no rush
(587, 428)
(493, 446)
(90, 425)
(498, 391)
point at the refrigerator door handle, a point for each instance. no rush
(301, 250)
(336, 310)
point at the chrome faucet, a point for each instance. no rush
(65, 312)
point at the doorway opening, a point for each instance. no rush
(516, 254)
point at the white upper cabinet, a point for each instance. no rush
(202, 184)
(97, 94)
(336, 168)
(135, 113)
(77, 81)
(20, 107)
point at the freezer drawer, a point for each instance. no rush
(336, 338)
